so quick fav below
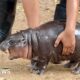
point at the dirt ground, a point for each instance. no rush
(19, 69)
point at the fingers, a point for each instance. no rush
(57, 42)
(68, 50)
(65, 51)
(72, 49)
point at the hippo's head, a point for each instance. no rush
(18, 44)
(19, 39)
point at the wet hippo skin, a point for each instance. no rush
(39, 44)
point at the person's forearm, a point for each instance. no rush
(31, 9)
(72, 11)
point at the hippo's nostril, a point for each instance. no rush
(2, 49)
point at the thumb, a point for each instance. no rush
(57, 42)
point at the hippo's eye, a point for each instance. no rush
(11, 42)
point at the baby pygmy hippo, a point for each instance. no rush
(39, 43)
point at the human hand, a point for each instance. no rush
(68, 40)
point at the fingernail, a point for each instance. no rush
(55, 46)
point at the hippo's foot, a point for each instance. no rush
(42, 65)
(76, 69)
(70, 64)
(38, 70)
(34, 65)
(38, 67)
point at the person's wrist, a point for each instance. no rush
(69, 31)
(70, 28)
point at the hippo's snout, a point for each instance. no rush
(4, 46)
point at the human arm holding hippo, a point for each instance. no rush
(31, 9)
(67, 37)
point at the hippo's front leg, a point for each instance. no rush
(44, 51)
(41, 65)
(34, 63)
(38, 65)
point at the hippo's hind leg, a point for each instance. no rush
(74, 65)
(70, 64)
(76, 68)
